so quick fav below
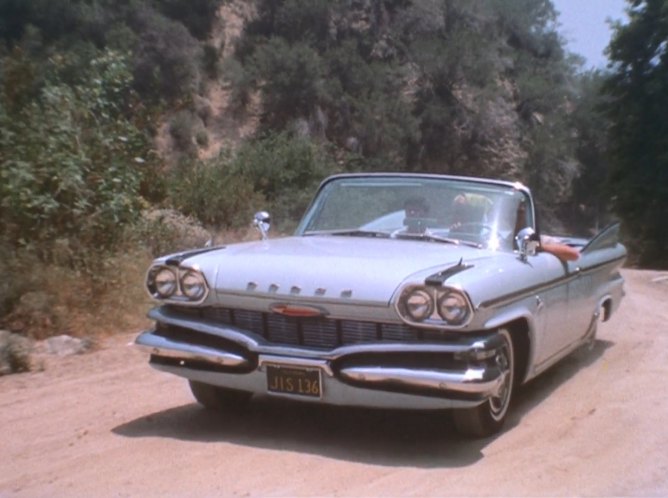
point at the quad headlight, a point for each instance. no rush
(193, 285)
(434, 306)
(453, 308)
(165, 283)
(419, 304)
(183, 285)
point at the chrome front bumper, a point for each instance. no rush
(381, 375)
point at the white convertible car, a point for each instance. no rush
(401, 291)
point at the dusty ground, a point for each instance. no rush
(105, 424)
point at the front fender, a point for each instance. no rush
(529, 315)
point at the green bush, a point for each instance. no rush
(182, 130)
(71, 163)
(166, 59)
(286, 170)
(292, 77)
(277, 172)
(196, 15)
(164, 231)
(240, 81)
(213, 194)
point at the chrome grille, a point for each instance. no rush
(281, 329)
(355, 332)
(314, 332)
(320, 333)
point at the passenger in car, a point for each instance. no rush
(469, 208)
(562, 251)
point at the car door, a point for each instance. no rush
(582, 279)
(552, 310)
(591, 272)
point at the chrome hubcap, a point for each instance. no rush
(499, 402)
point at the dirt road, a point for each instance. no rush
(105, 424)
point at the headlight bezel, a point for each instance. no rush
(437, 318)
(179, 294)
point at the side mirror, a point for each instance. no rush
(262, 221)
(527, 242)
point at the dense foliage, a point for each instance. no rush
(482, 88)
(638, 88)
(453, 86)
(71, 156)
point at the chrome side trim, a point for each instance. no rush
(523, 293)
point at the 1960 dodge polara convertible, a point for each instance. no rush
(408, 291)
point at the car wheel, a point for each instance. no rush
(218, 398)
(488, 418)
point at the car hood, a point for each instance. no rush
(327, 267)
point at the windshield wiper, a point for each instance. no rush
(356, 232)
(435, 238)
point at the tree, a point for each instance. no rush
(451, 86)
(590, 207)
(638, 89)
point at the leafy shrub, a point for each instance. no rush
(14, 353)
(70, 163)
(202, 138)
(210, 57)
(164, 231)
(213, 194)
(292, 78)
(166, 60)
(286, 170)
(182, 130)
(196, 15)
(278, 172)
(240, 81)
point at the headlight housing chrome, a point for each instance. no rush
(182, 285)
(433, 306)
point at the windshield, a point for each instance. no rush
(471, 212)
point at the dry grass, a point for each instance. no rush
(52, 299)
(122, 302)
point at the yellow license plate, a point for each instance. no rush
(294, 380)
